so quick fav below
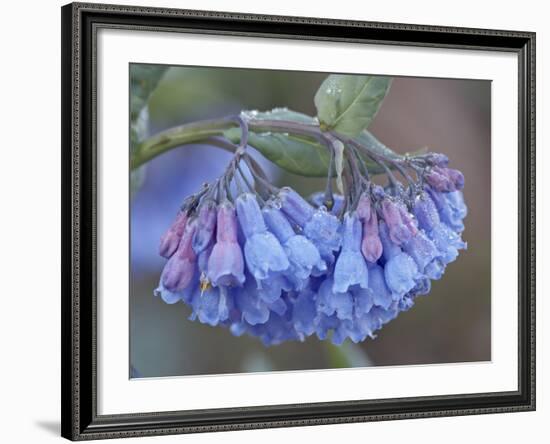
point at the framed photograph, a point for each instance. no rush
(281, 221)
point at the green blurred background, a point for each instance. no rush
(451, 324)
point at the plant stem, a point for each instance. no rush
(199, 131)
(179, 135)
(205, 131)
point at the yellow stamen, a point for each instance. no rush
(205, 284)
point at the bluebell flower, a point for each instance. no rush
(383, 316)
(278, 306)
(203, 258)
(423, 287)
(172, 297)
(400, 273)
(439, 180)
(430, 215)
(295, 206)
(180, 268)
(378, 289)
(400, 270)
(437, 159)
(170, 240)
(435, 269)
(206, 226)
(373, 308)
(211, 306)
(364, 207)
(356, 313)
(447, 241)
(263, 252)
(323, 229)
(226, 262)
(350, 268)
(304, 313)
(423, 251)
(400, 231)
(357, 330)
(363, 300)
(344, 330)
(318, 225)
(325, 324)
(330, 302)
(445, 180)
(408, 219)
(338, 201)
(275, 284)
(406, 302)
(276, 330)
(302, 255)
(456, 177)
(324, 298)
(457, 204)
(371, 245)
(426, 212)
(254, 310)
(451, 208)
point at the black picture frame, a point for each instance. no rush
(80, 420)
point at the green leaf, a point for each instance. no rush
(280, 114)
(295, 154)
(298, 155)
(347, 104)
(292, 153)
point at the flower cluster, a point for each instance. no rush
(266, 262)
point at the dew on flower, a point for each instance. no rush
(267, 262)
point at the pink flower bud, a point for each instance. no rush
(227, 223)
(226, 262)
(363, 207)
(408, 220)
(206, 226)
(170, 240)
(438, 179)
(180, 268)
(456, 177)
(295, 206)
(371, 246)
(398, 231)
